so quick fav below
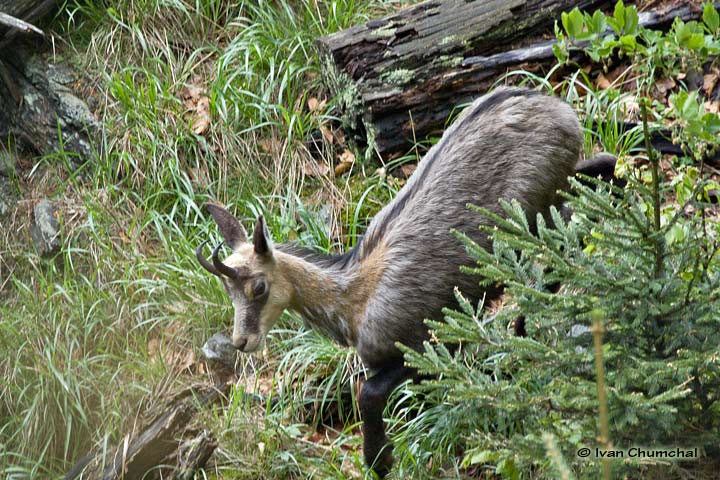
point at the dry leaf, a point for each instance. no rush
(664, 85)
(709, 82)
(316, 437)
(185, 359)
(189, 95)
(347, 159)
(713, 107)
(174, 308)
(349, 469)
(342, 167)
(347, 156)
(262, 385)
(315, 105)
(631, 109)
(153, 347)
(198, 106)
(179, 359)
(315, 169)
(123, 238)
(327, 133)
(602, 82)
(269, 145)
(408, 169)
(340, 136)
(201, 122)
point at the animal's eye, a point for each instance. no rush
(259, 288)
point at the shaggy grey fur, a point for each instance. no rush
(510, 144)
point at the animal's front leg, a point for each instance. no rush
(373, 397)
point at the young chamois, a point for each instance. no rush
(509, 144)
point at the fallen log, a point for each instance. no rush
(168, 446)
(17, 24)
(400, 78)
(17, 14)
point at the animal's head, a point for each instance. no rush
(258, 290)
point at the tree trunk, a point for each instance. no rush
(399, 78)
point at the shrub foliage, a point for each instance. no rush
(638, 269)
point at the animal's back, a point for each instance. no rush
(510, 144)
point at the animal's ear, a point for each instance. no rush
(232, 231)
(261, 238)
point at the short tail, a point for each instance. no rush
(601, 166)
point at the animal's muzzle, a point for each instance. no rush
(247, 343)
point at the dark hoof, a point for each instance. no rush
(383, 461)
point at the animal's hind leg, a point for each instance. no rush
(373, 397)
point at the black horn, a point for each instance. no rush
(221, 267)
(203, 261)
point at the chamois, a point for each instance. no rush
(509, 144)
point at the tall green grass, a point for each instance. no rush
(93, 338)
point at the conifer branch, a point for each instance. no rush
(655, 170)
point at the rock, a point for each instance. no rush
(219, 349)
(41, 100)
(45, 229)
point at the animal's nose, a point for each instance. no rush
(240, 343)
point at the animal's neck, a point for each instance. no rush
(331, 297)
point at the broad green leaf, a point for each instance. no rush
(695, 42)
(675, 234)
(573, 22)
(596, 24)
(628, 42)
(682, 31)
(485, 456)
(619, 16)
(631, 21)
(508, 469)
(712, 124)
(711, 18)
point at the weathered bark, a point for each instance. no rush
(194, 454)
(17, 24)
(399, 78)
(38, 107)
(168, 446)
(27, 10)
